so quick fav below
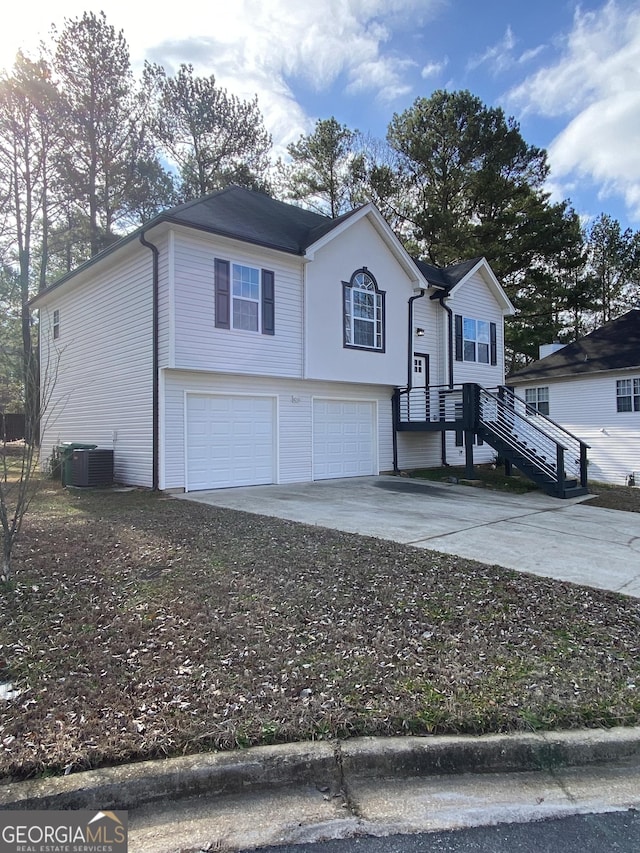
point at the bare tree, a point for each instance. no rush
(27, 118)
(20, 474)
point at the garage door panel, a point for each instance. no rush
(230, 441)
(344, 439)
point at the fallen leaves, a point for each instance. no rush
(141, 627)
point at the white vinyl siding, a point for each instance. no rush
(431, 317)
(294, 432)
(102, 366)
(419, 450)
(199, 345)
(587, 407)
(327, 355)
(164, 244)
(474, 299)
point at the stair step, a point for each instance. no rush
(575, 492)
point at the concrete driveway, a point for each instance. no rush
(530, 533)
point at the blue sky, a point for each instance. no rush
(568, 72)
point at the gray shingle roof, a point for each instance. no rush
(253, 217)
(445, 278)
(614, 346)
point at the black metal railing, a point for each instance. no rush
(500, 414)
(540, 440)
(435, 404)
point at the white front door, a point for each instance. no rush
(230, 441)
(418, 398)
(420, 370)
(344, 439)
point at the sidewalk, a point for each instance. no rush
(378, 786)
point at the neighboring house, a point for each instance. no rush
(237, 340)
(592, 388)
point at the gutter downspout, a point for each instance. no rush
(155, 360)
(441, 299)
(449, 336)
(412, 299)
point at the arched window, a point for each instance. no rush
(363, 312)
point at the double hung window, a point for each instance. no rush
(244, 298)
(475, 340)
(538, 399)
(628, 395)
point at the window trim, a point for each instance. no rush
(541, 399)
(460, 321)
(348, 288)
(633, 395)
(248, 299)
(223, 297)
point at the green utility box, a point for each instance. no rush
(65, 454)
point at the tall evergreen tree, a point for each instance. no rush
(613, 267)
(467, 173)
(104, 125)
(28, 132)
(11, 358)
(213, 138)
(471, 186)
(322, 168)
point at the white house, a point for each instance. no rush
(592, 388)
(238, 340)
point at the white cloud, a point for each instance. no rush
(530, 54)
(432, 69)
(596, 85)
(503, 56)
(253, 47)
(498, 57)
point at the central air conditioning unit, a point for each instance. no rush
(92, 468)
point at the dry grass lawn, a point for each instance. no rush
(139, 626)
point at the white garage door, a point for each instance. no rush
(230, 441)
(344, 439)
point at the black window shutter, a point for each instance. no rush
(458, 324)
(223, 296)
(268, 303)
(494, 348)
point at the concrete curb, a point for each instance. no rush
(324, 765)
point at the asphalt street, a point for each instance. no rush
(613, 832)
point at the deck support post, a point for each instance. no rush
(470, 405)
(468, 455)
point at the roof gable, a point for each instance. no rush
(254, 217)
(614, 346)
(449, 279)
(322, 236)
